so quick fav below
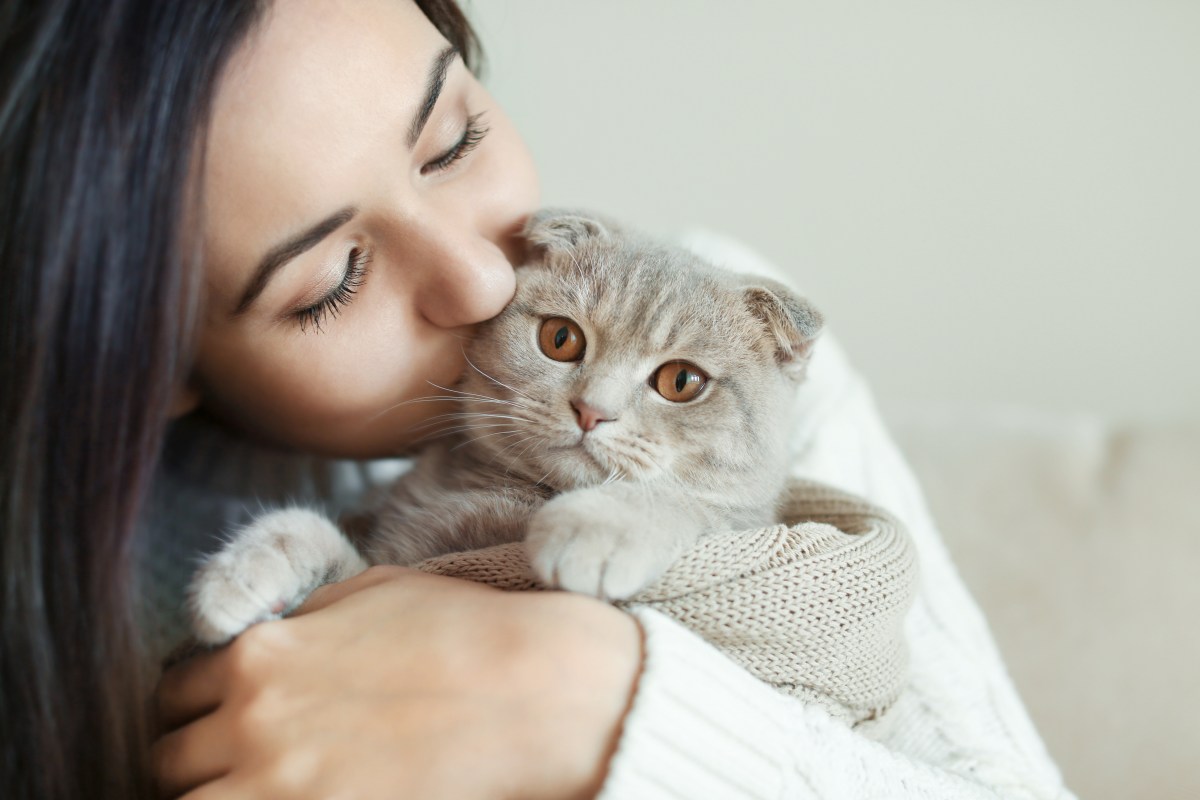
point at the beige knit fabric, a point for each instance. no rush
(814, 607)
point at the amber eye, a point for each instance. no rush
(679, 381)
(561, 339)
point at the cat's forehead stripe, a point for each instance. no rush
(670, 308)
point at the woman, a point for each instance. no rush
(287, 215)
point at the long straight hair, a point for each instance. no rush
(103, 105)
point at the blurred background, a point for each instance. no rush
(997, 205)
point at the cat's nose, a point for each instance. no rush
(588, 416)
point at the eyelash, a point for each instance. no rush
(356, 268)
(472, 135)
(332, 303)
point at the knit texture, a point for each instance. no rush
(814, 607)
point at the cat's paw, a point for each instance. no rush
(584, 543)
(267, 570)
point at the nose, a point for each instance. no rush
(588, 416)
(463, 277)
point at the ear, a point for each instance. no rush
(792, 322)
(556, 229)
(185, 401)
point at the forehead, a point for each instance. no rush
(320, 90)
(645, 299)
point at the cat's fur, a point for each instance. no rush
(602, 511)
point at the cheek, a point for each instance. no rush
(339, 392)
(507, 180)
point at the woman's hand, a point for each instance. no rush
(400, 684)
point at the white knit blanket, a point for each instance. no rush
(815, 607)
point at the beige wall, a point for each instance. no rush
(994, 202)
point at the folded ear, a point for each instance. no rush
(557, 229)
(791, 321)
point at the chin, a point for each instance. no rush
(571, 468)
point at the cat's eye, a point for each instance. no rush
(561, 339)
(679, 381)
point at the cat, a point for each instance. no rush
(629, 399)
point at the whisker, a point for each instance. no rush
(457, 397)
(496, 381)
(575, 262)
(473, 415)
(481, 415)
(461, 399)
(468, 421)
(439, 433)
(511, 445)
(474, 395)
(486, 436)
(433, 436)
(469, 427)
(532, 441)
(532, 438)
(411, 400)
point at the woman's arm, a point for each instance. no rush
(401, 684)
(700, 727)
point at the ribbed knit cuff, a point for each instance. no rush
(700, 726)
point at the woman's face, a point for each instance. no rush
(363, 196)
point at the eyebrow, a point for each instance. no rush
(433, 90)
(284, 252)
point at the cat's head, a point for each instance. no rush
(623, 358)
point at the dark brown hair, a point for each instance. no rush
(103, 106)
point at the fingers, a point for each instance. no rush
(191, 689)
(195, 687)
(224, 789)
(219, 790)
(192, 756)
(331, 593)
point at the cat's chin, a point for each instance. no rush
(575, 466)
(590, 463)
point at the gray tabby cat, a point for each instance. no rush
(629, 399)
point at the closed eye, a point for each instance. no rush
(339, 296)
(472, 135)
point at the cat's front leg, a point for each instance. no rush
(266, 570)
(610, 541)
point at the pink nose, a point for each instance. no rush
(588, 416)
